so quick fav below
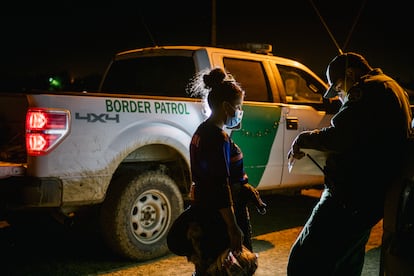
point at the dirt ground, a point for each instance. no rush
(64, 252)
(273, 249)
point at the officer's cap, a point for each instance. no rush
(337, 69)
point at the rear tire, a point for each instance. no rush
(138, 212)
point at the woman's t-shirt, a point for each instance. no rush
(210, 166)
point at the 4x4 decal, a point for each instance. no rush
(93, 118)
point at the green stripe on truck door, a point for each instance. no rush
(256, 137)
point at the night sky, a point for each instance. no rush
(81, 38)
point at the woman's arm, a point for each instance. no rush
(233, 230)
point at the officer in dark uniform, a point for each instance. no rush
(364, 145)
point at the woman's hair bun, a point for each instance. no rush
(214, 78)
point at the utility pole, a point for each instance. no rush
(213, 23)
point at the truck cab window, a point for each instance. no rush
(252, 77)
(300, 86)
(153, 76)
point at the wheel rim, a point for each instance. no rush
(150, 215)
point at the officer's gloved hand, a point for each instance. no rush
(294, 151)
(249, 193)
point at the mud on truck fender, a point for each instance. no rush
(138, 210)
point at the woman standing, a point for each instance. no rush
(210, 150)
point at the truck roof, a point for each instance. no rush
(252, 50)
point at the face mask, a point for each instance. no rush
(235, 120)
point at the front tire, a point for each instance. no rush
(138, 212)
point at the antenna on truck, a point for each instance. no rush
(213, 23)
(148, 32)
(327, 28)
(350, 31)
(353, 25)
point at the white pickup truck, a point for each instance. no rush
(125, 150)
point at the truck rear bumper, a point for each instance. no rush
(23, 192)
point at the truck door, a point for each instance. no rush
(263, 157)
(305, 109)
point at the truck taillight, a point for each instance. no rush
(45, 128)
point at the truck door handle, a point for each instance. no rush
(292, 123)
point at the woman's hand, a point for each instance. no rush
(233, 230)
(236, 239)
